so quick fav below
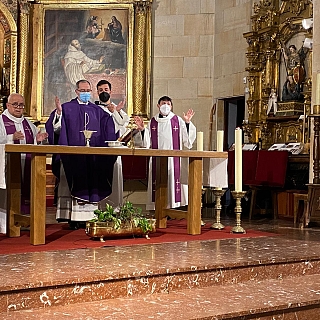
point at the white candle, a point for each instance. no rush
(220, 140)
(220, 134)
(200, 141)
(317, 87)
(238, 160)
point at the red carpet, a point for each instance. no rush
(60, 237)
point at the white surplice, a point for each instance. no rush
(187, 137)
(121, 120)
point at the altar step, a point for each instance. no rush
(228, 279)
(286, 299)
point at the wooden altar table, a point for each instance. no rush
(38, 184)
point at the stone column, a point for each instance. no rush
(141, 58)
(23, 45)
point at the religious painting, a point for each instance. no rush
(85, 43)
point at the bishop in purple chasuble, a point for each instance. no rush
(89, 176)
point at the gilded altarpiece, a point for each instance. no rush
(278, 60)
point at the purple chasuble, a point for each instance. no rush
(176, 160)
(89, 176)
(25, 187)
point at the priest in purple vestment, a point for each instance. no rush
(16, 129)
(89, 177)
(168, 131)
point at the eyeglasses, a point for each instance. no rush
(84, 90)
(17, 105)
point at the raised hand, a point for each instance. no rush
(139, 122)
(188, 116)
(58, 105)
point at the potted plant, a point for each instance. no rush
(123, 221)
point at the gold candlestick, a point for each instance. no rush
(218, 194)
(238, 195)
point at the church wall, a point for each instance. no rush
(183, 39)
(199, 55)
(232, 20)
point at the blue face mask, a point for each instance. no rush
(85, 96)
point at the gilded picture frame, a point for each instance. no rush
(8, 47)
(64, 34)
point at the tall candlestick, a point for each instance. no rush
(238, 160)
(200, 141)
(317, 102)
(220, 140)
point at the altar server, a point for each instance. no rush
(168, 131)
(88, 177)
(16, 129)
(121, 120)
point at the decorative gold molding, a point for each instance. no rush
(10, 28)
(141, 54)
(23, 47)
(138, 50)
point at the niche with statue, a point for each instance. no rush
(279, 66)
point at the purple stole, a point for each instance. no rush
(11, 129)
(176, 160)
(25, 187)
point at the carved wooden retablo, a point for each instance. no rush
(290, 108)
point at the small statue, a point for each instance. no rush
(272, 103)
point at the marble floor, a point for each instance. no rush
(184, 280)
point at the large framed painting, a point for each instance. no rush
(75, 41)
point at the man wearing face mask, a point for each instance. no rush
(87, 179)
(168, 131)
(121, 120)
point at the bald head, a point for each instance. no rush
(14, 96)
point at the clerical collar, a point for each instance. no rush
(162, 116)
(99, 103)
(81, 102)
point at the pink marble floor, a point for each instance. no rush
(266, 274)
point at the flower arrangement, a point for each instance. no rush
(125, 217)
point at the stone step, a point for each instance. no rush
(35, 281)
(88, 288)
(288, 298)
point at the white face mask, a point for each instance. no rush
(165, 109)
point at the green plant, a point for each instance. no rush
(127, 214)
